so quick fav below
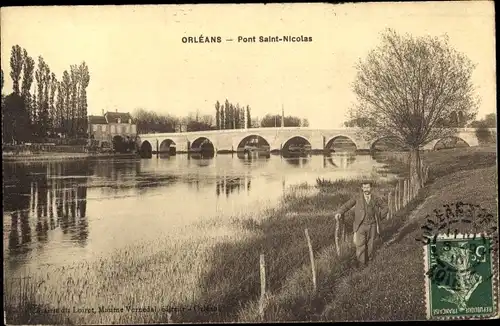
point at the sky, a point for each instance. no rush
(137, 59)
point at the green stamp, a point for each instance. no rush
(460, 277)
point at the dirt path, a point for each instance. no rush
(412, 216)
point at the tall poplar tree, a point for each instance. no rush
(217, 115)
(16, 66)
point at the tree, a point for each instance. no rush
(46, 98)
(305, 123)
(15, 120)
(227, 115)
(231, 116)
(407, 87)
(16, 66)
(42, 122)
(84, 83)
(66, 90)
(270, 121)
(60, 107)
(149, 121)
(241, 117)
(54, 115)
(28, 70)
(483, 134)
(222, 117)
(357, 122)
(489, 121)
(207, 120)
(73, 104)
(249, 117)
(217, 115)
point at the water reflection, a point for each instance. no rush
(50, 208)
(297, 161)
(227, 185)
(41, 198)
(342, 161)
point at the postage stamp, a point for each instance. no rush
(460, 277)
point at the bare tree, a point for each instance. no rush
(407, 88)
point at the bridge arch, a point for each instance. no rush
(450, 142)
(340, 143)
(203, 145)
(146, 150)
(167, 146)
(253, 140)
(296, 144)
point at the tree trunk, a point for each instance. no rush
(414, 163)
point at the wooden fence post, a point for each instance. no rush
(311, 256)
(403, 193)
(262, 286)
(410, 190)
(410, 184)
(337, 235)
(400, 190)
(395, 199)
(389, 203)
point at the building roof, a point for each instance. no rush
(112, 117)
(97, 119)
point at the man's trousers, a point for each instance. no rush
(363, 240)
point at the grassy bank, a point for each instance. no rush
(56, 156)
(391, 287)
(211, 273)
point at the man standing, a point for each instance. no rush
(367, 212)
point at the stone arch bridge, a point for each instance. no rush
(275, 138)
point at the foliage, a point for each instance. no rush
(483, 134)
(357, 122)
(231, 116)
(489, 121)
(53, 107)
(16, 66)
(15, 120)
(407, 88)
(149, 121)
(123, 145)
(269, 121)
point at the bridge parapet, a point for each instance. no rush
(277, 137)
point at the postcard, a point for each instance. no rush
(249, 163)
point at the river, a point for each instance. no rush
(56, 213)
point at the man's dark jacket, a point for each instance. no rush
(358, 202)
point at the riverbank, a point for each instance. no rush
(392, 286)
(211, 273)
(57, 156)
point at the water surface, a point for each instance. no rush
(56, 213)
